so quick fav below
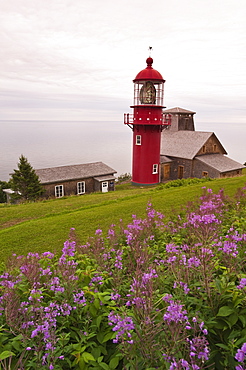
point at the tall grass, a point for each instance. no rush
(45, 225)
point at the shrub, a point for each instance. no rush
(126, 177)
(167, 295)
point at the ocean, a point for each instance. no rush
(57, 143)
(60, 143)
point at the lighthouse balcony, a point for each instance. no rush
(162, 120)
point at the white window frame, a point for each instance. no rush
(104, 186)
(59, 191)
(81, 187)
(155, 168)
(138, 140)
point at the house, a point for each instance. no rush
(188, 153)
(76, 179)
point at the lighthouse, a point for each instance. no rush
(147, 123)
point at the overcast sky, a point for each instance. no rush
(76, 59)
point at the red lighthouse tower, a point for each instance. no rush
(147, 122)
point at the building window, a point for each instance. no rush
(180, 172)
(186, 121)
(155, 168)
(81, 187)
(204, 174)
(204, 149)
(138, 140)
(215, 147)
(59, 191)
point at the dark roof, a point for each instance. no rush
(73, 172)
(220, 162)
(165, 159)
(178, 110)
(104, 178)
(184, 144)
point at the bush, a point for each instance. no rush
(182, 182)
(126, 177)
(167, 295)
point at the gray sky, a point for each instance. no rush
(76, 59)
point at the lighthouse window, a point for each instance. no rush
(138, 140)
(155, 168)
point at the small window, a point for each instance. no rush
(215, 147)
(186, 121)
(155, 168)
(204, 149)
(81, 187)
(204, 174)
(138, 140)
(59, 191)
(180, 172)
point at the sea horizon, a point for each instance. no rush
(53, 143)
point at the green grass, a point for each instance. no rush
(45, 225)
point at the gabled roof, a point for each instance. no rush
(178, 110)
(73, 172)
(220, 162)
(184, 144)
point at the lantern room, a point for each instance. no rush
(148, 86)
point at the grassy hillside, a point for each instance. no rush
(45, 225)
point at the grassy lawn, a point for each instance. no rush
(45, 225)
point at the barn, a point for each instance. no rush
(188, 153)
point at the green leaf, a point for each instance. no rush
(114, 363)
(87, 357)
(104, 366)
(97, 303)
(242, 318)
(100, 359)
(221, 345)
(82, 364)
(100, 337)
(232, 319)
(108, 336)
(6, 354)
(225, 311)
(98, 321)
(220, 324)
(93, 311)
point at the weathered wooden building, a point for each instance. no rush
(76, 179)
(188, 153)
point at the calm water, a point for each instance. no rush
(53, 143)
(56, 143)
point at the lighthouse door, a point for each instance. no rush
(104, 186)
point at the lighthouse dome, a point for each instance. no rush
(149, 73)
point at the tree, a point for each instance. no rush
(25, 182)
(3, 185)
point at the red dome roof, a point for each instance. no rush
(149, 73)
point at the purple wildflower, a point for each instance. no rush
(241, 353)
(122, 326)
(242, 283)
(175, 313)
